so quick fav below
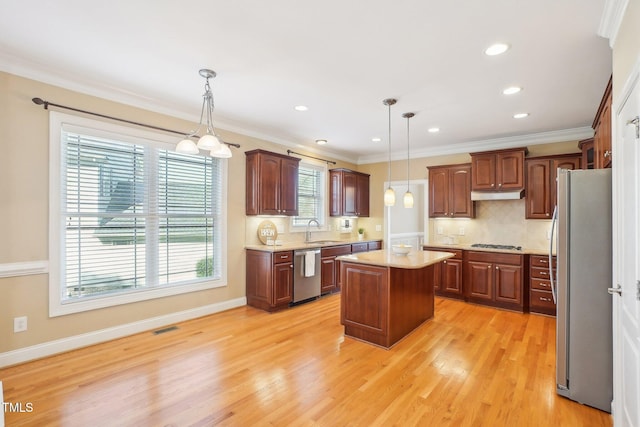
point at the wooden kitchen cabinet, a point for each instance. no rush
(349, 193)
(501, 170)
(495, 279)
(330, 269)
(540, 297)
(450, 192)
(269, 279)
(448, 273)
(588, 155)
(540, 189)
(602, 131)
(271, 183)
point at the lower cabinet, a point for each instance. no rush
(496, 279)
(269, 279)
(448, 274)
(541, 300)
(330, 270)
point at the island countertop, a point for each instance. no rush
(386, 258)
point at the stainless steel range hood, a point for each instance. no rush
(497, 195)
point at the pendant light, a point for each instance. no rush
(389, 194)
(408, 197)
(209, 141)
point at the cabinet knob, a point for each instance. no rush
(493, 185)
(607, 153)
(500, 185)
(451, 213)
(445, 261)
(543, 261)
(290, 265)
(488, 266)
(497, 268)
(547, 213)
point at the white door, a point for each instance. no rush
(626, 307)
(407, 226)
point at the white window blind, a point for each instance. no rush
(134, 216)
(311, 194)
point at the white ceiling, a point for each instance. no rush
(340, 58)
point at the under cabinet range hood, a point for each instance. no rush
(497, 195)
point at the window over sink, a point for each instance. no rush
(311, 194)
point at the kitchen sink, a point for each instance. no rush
(322, 242)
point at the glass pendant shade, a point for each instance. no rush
(187, 146)
(408, 199)
(389, 197)
(209, 142)
(223, 152)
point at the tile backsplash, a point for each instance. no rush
(289, 234)
(498, 222)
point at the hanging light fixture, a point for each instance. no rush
(408, 197)
(209, 141)
(389, 194)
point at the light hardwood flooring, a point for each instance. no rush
(468, 366)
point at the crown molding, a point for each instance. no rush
(611, 19)
(573, 134)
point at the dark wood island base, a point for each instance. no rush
(386, 296)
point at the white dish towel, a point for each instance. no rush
(309, 263)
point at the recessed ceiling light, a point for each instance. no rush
(496, 49)
(321, 141)
(434, 130)
(520, 115)
(301, 108)
(511, 90)
(376, 139)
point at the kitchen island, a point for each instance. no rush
(386, 296)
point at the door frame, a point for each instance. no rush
(387, 209)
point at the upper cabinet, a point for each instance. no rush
(450, 192)
(586, 146)
(540, 190)
(271, 184)
(602, 132)
(501, 170)
(349, 195)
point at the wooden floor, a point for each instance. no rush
(469, 366)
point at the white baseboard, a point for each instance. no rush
(78, 341)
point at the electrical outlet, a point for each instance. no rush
(378, 227)
(20, 324)
(548, 234)
(440, 229)
(461, 231)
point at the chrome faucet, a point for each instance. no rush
(307, 236)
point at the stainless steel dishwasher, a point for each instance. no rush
(306, 274)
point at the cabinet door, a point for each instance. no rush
(438, 192)
(480, 280)
(328, 274)
(349, 189)
(509, 170)
(362, 195)
(538, 190)
(602, 136)
(437, 278)
(483, 167)
(269, 182)
(283, 283)
(288, 193)
(452, 276)
(335, 197)
(508, 283)
(460, 204)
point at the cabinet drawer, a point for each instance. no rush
(539, 273)
(494, 257)
(284, 256)
(374, 246)
(359, 247)
(541, 284)
(541, 261)
(336, 250)
(542, 299)
(457, 253)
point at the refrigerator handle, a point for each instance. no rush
(554, 219)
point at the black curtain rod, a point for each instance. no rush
(46, 104)
(311, 157)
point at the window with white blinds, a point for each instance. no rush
(311, 194)
(134, 216)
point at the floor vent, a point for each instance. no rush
(162, 331)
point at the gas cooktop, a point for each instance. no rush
(490, 246)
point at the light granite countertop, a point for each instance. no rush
(386, 258)
(292, 246)
(467, 247)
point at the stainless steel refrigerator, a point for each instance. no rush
(584, 349)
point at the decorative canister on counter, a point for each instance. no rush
(267, 232)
